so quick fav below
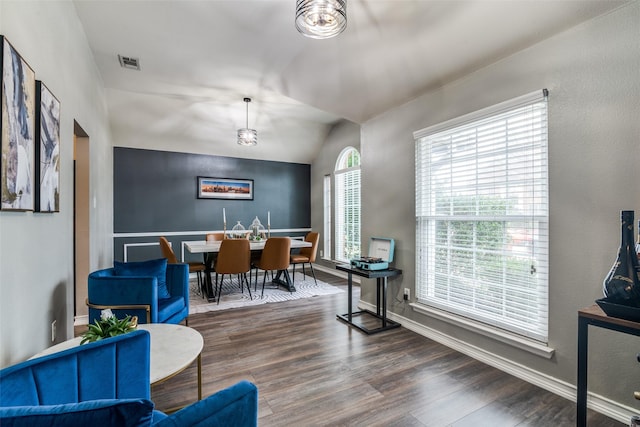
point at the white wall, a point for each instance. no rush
(36, 250)
(593, 75)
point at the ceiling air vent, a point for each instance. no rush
(128, 62)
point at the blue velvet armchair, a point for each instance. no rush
(159, 294)
(106, 383)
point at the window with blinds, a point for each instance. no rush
(326, 254)
(482, 216)
(347, 218)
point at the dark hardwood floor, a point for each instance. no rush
(313, 370)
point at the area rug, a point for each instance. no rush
(232, 298)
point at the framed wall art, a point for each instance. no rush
(47, 150)
(17, 96)
(225, 188)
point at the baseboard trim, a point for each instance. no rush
(598, 403)
(335, 272)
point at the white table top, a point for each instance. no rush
(201, 246)
(173, 348)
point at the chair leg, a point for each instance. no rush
(248, 285)
(219, 287)
(294, 272)
(314, 274)
(264, 280)
(304, 272)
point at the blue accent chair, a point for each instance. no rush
(137, 295)
(106, 383)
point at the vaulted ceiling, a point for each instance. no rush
(200, 58)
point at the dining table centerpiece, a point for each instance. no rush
(109, 326)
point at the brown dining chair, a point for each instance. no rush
(210, 258)
(234, 258)
(307, 255)
(194, 267)
(214, 237)
(275, 256)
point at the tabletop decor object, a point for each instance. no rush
(238, 231)
(109, 326)
(257, 230)
(622, 283)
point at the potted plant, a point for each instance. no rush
(109, 326)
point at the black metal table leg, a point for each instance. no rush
(583, 344)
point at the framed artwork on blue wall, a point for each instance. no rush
(17, 97)
(47, 150)
(225, 188)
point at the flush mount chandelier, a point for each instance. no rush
(247, 136)
(321, 19)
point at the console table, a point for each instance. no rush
(381, 294)
(594, 316)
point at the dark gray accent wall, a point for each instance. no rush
(156, 191)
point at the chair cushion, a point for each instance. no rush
(153, 268)
(94, 413)
(168, 307)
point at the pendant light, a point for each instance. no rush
(246, 136)
(321, 19)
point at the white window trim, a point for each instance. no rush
(533, 345)
(514, 340)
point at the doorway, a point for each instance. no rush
(81, 222)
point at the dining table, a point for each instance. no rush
(212, 247)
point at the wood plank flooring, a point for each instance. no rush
(313, 370)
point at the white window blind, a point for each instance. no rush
(482, 216)
(327, 217)
(347, 222)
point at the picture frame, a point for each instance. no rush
(225, 188)
(48, 150)
(17, 108)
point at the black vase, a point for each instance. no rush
(622, 284)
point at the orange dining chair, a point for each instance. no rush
(306, 255)
(275, 256)
(234, 258)
(214, 237)
(194, 267)
(210, 257)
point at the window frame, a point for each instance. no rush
(346, 175)
(427, 297)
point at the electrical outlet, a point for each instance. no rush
(321, 253)
(407, 294)
(53, 331)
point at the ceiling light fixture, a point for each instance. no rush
(321, 19)
(247, 136)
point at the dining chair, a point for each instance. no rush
(275, 256)
(210, 258)
(234, 257)
(307, 255)
(194, 267)
(214, 237)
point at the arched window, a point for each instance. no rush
(347, 211)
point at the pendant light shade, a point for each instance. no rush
(321, 19)
(247, 136)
